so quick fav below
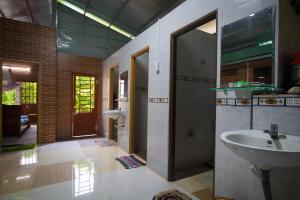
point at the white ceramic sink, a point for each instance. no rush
(259, 148)
(114, 114)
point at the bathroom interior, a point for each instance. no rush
(199, 101)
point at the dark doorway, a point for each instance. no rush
(139, 104)
(114, 75)
(192, 105)
(20, 83)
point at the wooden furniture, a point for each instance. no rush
(12, 125)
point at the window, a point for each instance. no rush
(9, 97)
(84, 94)
(28, 92)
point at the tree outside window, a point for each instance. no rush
(28, 93)
(84, 94)
(9, 97)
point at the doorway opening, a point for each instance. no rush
(20, 102)
(139, 103)
(114, 76)
(192, 105)
(84, 119)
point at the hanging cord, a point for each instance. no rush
(158, 48)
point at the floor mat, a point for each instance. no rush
(9, 148)
(171, 195)
(130, 162)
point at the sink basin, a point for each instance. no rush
(259, 148)
(113, 114)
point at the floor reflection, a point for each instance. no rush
(83, 172)
(29, 157)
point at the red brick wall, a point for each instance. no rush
(28, 42)
(66, 66)
(21, 41)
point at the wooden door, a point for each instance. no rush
(84, 106)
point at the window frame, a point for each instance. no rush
(28, 92)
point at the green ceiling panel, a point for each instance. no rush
(81, 35)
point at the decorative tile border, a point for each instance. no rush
(195, 79)
(158, 100)
(272, 101)
(261, 101)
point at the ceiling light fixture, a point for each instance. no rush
(20, 69)
(117, 29)
(71, 6)
(95, 18)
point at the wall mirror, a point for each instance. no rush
(123, 84)
(248, 49)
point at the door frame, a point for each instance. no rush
(39, 66)
(172, 91)
(111, 98)
(132, 95)
(74, 74)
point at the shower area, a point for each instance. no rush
(194, 106)
(141, 106)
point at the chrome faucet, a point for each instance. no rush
(274, 132)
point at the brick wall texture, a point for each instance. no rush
(67, 65)
(21, 41)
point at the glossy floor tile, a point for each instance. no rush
(76, 170)
(198, 182)
(205, 194)
(28, 137)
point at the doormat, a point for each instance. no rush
(130, 162)
(171, 195)
(18, 147)
(106, 143)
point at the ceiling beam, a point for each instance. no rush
(119, 11)
(92, 36)
(2, 14)
(113, 20)
(87, 5)
(54, 13)
(160, 14)
(30, 12)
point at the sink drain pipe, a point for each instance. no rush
(266, 184)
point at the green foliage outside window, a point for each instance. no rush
(9, 97)
(85, 94)
(28, 92)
